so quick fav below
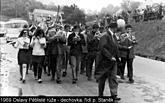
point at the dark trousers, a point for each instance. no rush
(38, 65)
(129, 62)
(56, 65)
(46, 64)
(52, 64)
(65, 61)
(119, 66)
(20, 70)
(83, 62)
(90, 60)
(113, 84)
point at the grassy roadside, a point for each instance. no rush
(151, 39)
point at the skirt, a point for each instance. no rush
(23, 56)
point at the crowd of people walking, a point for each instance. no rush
(52, 47)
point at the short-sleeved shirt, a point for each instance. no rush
(37, 48)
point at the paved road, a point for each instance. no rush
(149, 86)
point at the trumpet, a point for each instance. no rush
(77, 38)
(97, 35)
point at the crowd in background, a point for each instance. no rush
(138, 15)
(149, 13)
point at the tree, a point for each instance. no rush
(110, 9)
(129, 5)
(134, 5)
(19, 8)
(51, 6)
(73, 15)
(125, 5)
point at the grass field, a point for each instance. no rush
(151, 39)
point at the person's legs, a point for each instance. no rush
(73, 67)
(112, 79)
(119, 68)
(45, 61)
(49, 64)
(39, 73)
(65, 64)
(53, 61)
(24, 68)
(59, 67)
(20, 70)
(35, 66)
(27, 68)
(101, 84)
(130, 70)
(78, 64)
(90, 62)
(123, 62)
(83, 63)
(40, 66)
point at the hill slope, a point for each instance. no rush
(151, 39)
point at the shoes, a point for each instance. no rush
(58, 81)
(35, 78)
(20, 79)
(39, 80)
(97, 81)
(89, 79)
(48, 74)
(23, 81)
(131, 81)
(74, 81)
(52, 79)
(122, 77)
(64, 74)
(82, 72)
(115, 98)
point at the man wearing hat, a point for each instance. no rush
(106, 67)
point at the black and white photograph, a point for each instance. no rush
(82, 51)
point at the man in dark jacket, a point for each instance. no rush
(106, 64)
(56, 52)
(66, 56)
(75, 41)
(84, 50)
(93, 42)
(128, 41)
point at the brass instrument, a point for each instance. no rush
(97, 35)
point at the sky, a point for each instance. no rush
(94, 5)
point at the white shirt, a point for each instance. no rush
(112, 35)
(22, 43)
(111, 32)
(38, 49)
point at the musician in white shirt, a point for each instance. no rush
(38, 43)
(22, 43)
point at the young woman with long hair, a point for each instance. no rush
(22, 43)
(38, 43)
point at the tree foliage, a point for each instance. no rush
(110, 9)
(129, 5)
(19, 8)
(73, 15)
